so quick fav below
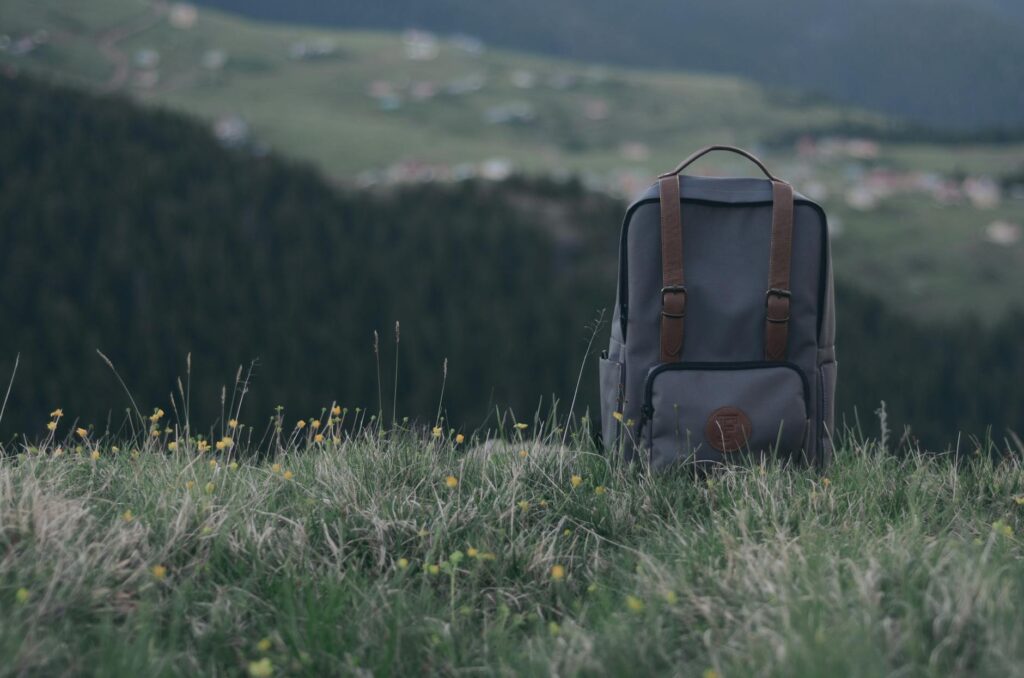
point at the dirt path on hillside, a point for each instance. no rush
(108, 45)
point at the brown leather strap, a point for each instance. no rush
(732, 149)
(673, 292)
(777, 298)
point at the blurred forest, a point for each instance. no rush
(133, 232)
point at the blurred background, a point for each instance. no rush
(265, 184)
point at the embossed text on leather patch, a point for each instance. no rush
(728, 429)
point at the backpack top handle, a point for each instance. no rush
(732, 149)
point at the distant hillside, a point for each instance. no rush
(358, 103)
(953, 63)
(132, 231)
(135, 233)
(384, 109)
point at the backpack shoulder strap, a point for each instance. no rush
(777, 298)
(673, 291)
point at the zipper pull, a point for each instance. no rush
(646, 412)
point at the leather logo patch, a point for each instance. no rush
(728, 429)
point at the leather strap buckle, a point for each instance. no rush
(783, 295)
(673, 289)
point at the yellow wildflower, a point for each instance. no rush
(22, 595)
(826, 482)
(288, 475)
(523, 505)
(135, 454)
(213, 463)
(224, 443)
(433, 569)
(315, 423)
(520, 426)
(128, 516)
(159, 572)
(1003, 528)
(487, 555)
(318, 438)
(524, 454)
(264, 645)
(51, 425)
(576, 481)
(452, 482)
(115, 449)
(472, 552)
(172, 446)
(436, 432)
(233, 466)
(276, 468)
(210, 487)
(336, 410)
(600, 489)
(710, 673)
(232, 423)
(557, 572)
(403, 563)
(634, 604)
(617, 416)
(157, 415)
(300, 424)
(1019, 500)
(671, 598)
(202, 446)
(155, 433)
(262, 668)
(566, 532)
(189, 484)
(95, 456)
(57, 413)
(81, 432)
(459, 439)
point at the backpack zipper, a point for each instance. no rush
(647, 410)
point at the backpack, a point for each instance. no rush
(722, 342)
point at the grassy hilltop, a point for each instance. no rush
(405, 553)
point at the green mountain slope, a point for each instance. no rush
(385, 109)
(952, 63)
(131, 231)
(364, 104)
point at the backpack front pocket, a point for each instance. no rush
(719, 412)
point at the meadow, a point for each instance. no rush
(363, 113)
(318, 547)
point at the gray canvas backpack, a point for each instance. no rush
(723, 335)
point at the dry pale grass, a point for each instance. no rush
(402, 553)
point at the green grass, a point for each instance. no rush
(910, 567)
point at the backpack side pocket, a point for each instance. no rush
(611, 401)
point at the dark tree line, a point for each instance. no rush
(134, 233)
